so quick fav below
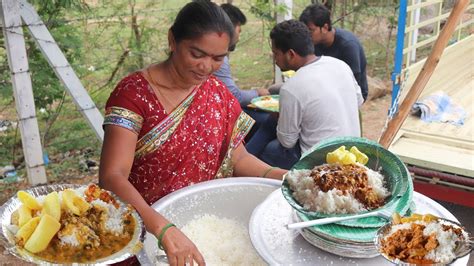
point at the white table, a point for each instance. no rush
(279, 246)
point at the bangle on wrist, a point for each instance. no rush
(268, 171)
(162, 234)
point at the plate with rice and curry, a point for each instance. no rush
(269, 103)
(64, 224)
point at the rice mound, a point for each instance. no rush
(312, 198)
(222, 241)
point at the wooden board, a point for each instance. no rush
(441, 146)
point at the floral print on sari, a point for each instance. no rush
(192, 144)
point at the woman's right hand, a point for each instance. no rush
(179, 249)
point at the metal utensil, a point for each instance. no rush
(384, 213)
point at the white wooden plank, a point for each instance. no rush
(23, 93)
(61, 67)
(435, 156)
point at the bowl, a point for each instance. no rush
(397, 177)
(231, 198)
(462, 248)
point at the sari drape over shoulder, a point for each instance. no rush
(192, 144)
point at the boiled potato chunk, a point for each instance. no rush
(360, 156)
(24, 215)
(74, 202)
(44, 232)
(26, 230)
(27, 199)
(52, 206)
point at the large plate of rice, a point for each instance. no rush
(388, 173)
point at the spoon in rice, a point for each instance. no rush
(384, 213)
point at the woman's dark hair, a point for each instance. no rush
(198, 18)
(235, 14)
(292, 34)
(317, 14)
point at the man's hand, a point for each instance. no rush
(262, 92)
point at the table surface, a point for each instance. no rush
(279, 246)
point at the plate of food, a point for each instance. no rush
(423, 239)
(64, 224)
(346, 176)
(269, 103)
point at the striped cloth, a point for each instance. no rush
(439, 107)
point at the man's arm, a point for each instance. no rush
(289, 120)
(224, 74)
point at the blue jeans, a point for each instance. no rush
(259, 117)
(277, 155)
(265, 145)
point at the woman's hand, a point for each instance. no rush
(179, 249)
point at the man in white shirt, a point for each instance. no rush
(320, 101)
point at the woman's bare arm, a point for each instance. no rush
(115, 164)
(245, 164)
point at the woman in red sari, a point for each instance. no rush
(172, 125)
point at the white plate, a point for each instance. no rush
(279, 246)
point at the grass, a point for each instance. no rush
(103, 44)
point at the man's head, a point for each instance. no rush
(291, 41)
(318, 20)
(238, 19)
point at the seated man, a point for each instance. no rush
(224, 74)
(336, 42)
(320, 101)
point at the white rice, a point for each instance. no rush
(114, 221)
(69, 239)
(308, 194)
(222, 241)
(444, 253)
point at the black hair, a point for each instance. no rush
(292, 34)
(200, 17)
(317, 14)
(235, 14)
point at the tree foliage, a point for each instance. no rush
(46, 86)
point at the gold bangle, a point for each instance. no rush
(268, 171)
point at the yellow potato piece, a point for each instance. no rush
(360, 156)
(27, 199)
(24, 215)
(44, 232)
(26, 230)
(349, 158)
(396, 218)
(429, 218)
(336, 156)
(52, 205)
(74, 203)
(15, 218)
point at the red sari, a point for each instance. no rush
(192, 144)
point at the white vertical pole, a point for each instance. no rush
(279, 18)
(414, 36)
(23, 92)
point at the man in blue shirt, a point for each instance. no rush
(224, 74)
(336, 42)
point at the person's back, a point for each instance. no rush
(347, 47)
(322, 99)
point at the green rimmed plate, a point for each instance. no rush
(397, 177)
(269, 103)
